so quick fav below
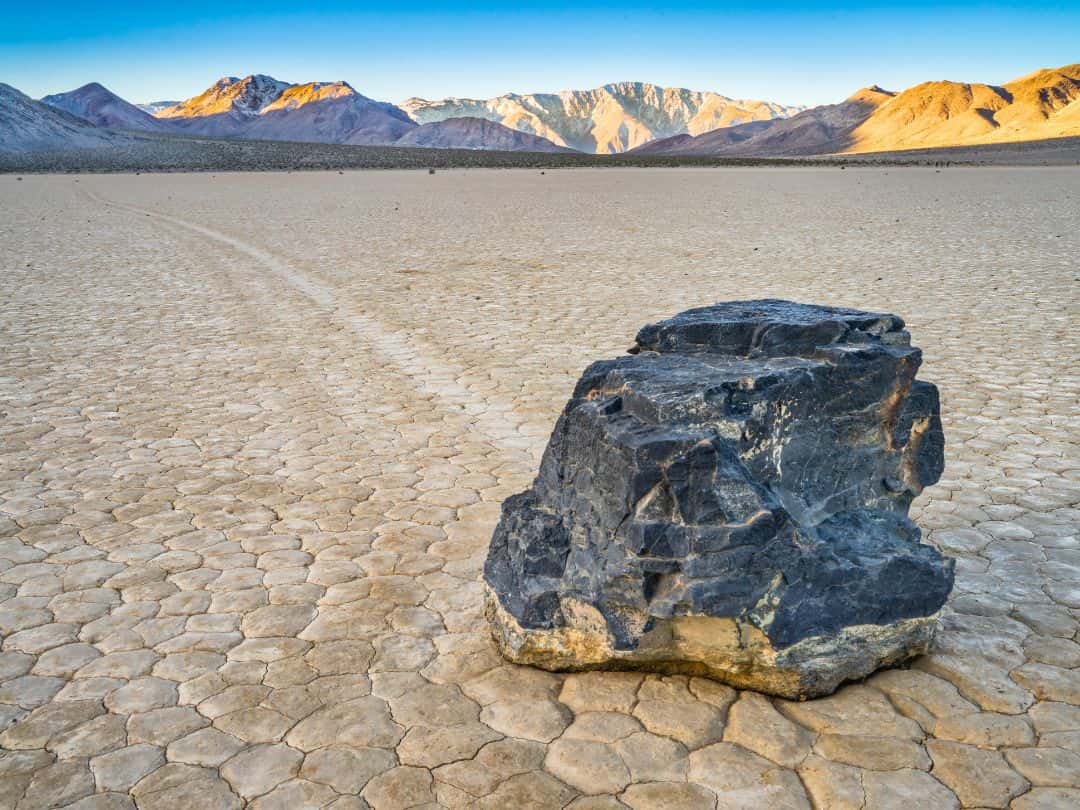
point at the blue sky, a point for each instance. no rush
(795, 53)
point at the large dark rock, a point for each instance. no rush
(730, 499)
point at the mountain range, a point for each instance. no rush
(260, 107)
(633, 117)
(263, 108)
(1042, 105)
(606, 120)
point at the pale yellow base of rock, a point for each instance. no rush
(726, 650)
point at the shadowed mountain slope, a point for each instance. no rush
(27, 125)
(476, 133)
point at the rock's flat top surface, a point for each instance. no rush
(251, 457)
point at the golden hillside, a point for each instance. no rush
(1043, 104)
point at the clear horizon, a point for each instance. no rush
(792, 53)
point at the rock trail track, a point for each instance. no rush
(255, 430)
(431, 375)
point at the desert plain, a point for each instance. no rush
(255, 430)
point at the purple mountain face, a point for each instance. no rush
(476, 133)
(103, 108)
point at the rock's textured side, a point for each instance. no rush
(730, 499)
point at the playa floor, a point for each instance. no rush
(255, 430)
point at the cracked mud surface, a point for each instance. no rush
(255, 430)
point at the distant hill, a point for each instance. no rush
(154, 107)
(1043, 104)
(941, 114)
(606, 120)
(32, 126)
(103, 108)
(476, 133)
